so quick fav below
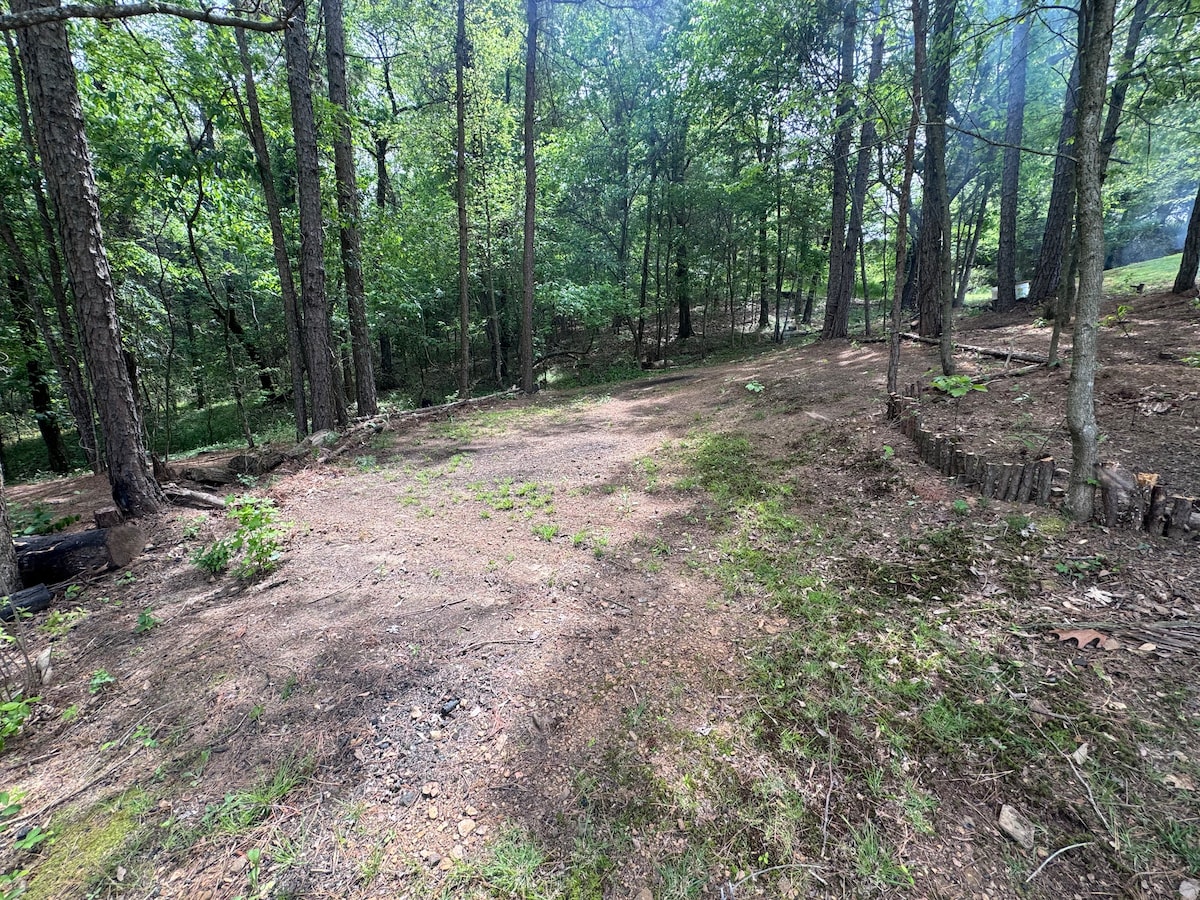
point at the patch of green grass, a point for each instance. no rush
(514, 866)
(727, 466)
(241, 810)
(1154, 273)
(546, 532)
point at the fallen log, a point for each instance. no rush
(53, 558)
(188, 497)
(1019, 355)
(27, 602)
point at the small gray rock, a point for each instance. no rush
(1189, 890)
(1016, 826)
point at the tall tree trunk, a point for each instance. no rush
(526, 342)
(460, 171)
(837, 304)
(1186, 279)
(858, 197)
(348, 212)
(64, 351)
(1043, 288)
(318, 351)
(283, 266)
(679, 239)
(934, 295)
(1095, 47)
(905, 199)
(1010, 178)
(67, 165)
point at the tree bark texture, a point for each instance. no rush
(67, 165)
(1010, 178)
(64, 347)
(1095, 43)
(1043, 288)
(318, 352)
(529, 137)
(1186, 279)
(837, 305)
(679, 240)
(460, 171)
(10, 576)
(349, 233)
(283, 265)
(934, 293)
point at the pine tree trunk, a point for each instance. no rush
(1010, 179)
(318, 352)
(291, 306)
(526, 342)
(1095, 47)
(67, 165)
(348, 212)
(460, 167)
(837, 305)
(1043, 288)
(64, 350)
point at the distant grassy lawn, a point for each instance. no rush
(1156, 274)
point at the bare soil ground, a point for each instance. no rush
(672, 638)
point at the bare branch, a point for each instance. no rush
(42, 15)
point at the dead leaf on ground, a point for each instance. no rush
(1085, 637)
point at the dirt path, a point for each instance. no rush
(528, 643)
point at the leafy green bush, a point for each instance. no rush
(253, 549)
(956, 385)
(37, 520)
(13, 714)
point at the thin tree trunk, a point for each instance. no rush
(318, 352)
(1010, 179)
(460, 171)
(862, 172)
(1125, 75)
(526, 343)
(910, 144)
(349, 238)
(1095, 46)
(837, 301)
(287, 286)
(67, 165)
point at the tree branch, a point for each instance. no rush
(42, 15)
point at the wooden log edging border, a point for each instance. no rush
(1127, 500)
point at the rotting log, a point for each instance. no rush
(187, 497)
(1180, 517)
(1156, 519)
(1025, 488)
(27, 602)
(1045, 480)
(991, 474)
(1018, 355)
(52, 558)
(1117, 488)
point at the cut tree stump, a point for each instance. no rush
(31, 600)
(52, 558)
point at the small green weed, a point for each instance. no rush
(38, 520)
(99, 681)
(242, 810)
(146, 622)
(61, 621)
(13, 713)
(956, 386)
(546, 532)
